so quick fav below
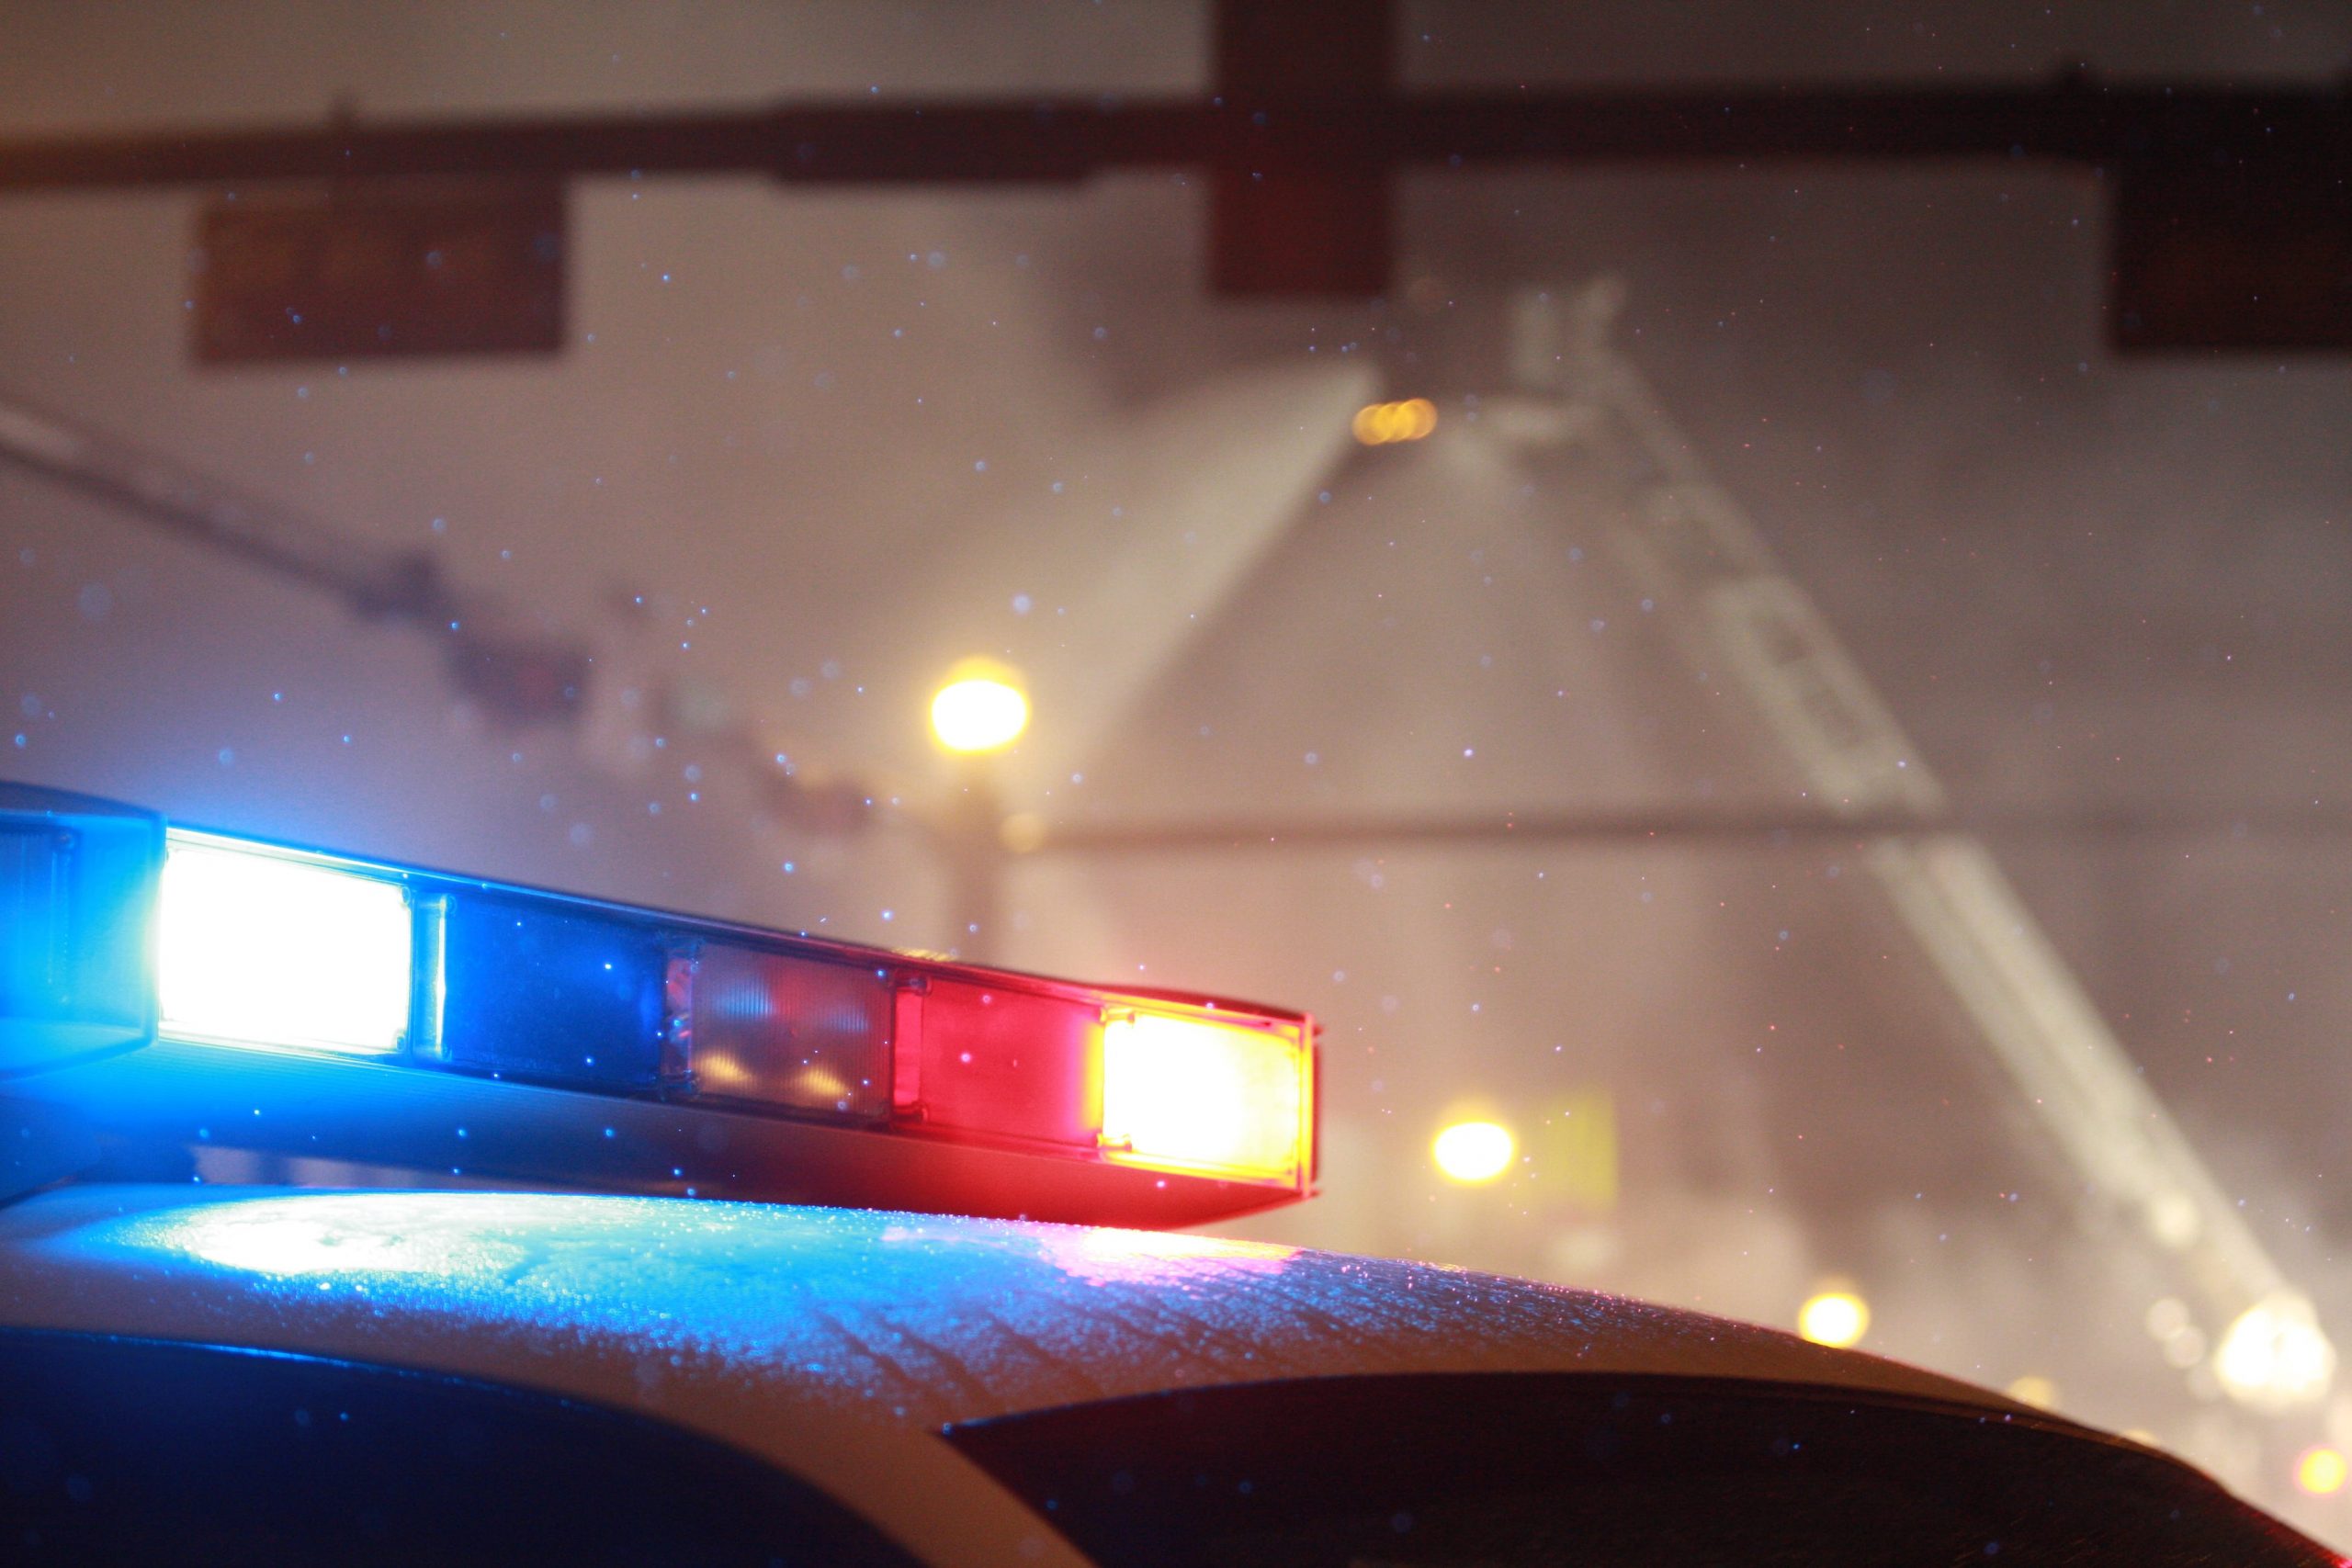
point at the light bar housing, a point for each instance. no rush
(346, 1010)
(77, 878)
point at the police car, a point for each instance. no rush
(929, 1302)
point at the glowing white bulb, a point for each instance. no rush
(2274, 1356)
(258, 948)
(1474, 1152)
(1834, 1316)
(979, 709)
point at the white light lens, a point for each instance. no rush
(1187, 1094)
(265, 949)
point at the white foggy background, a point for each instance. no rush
(833, 439)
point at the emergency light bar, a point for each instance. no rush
(185, 987)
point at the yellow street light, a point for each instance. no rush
(979, 707)
(1377, 425)
(2321, 1472)
(1474, 1152)
(2274, 1356)
(1834, 1314)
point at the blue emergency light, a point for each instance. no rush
(179, 989)
(75, 880)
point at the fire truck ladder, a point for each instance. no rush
(1690, 546)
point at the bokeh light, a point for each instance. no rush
(2274, 1356)
(1474, 1152)
(980, 708)
(1834, 1316)
(2321, 1472)
(1377, 425)
(2035, 1389)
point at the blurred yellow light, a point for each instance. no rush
(1377, 425)
(2035, 1389)
(980, 708)
(1473, 1152)
(1192, 1094)
(1834, 1316)
(2274, 1356)
(2321, 1472)
(1574, 1150)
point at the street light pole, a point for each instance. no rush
(975, 856)
(978, 711)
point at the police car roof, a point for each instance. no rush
(831, 1341)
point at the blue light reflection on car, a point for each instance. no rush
(849, 1306)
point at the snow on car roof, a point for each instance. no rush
(833, 1341)
(934, 1318)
